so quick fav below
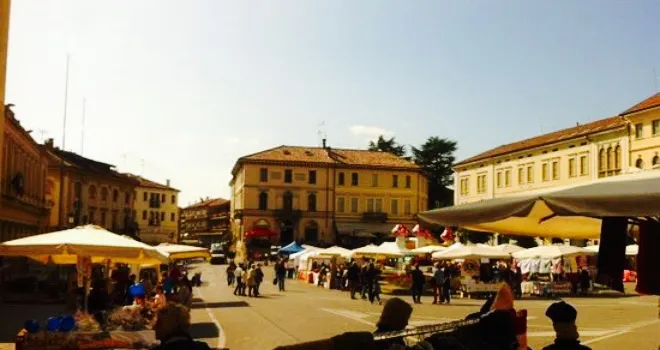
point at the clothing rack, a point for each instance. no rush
(421, 330)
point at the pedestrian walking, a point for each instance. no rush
(353, 275)
(252, 281)
(375, 288)
(364, 281)
(438, 281)
(280, 273)
(446, 285)
(239, 280)
(244, 278)
(258, 279)
(230, 273)
(418, 281)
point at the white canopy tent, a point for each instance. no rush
(631, 250)
(180, 251)
(551, 252)
(570, 213)
(460, 251)
(64, 247)
(374, 251)
(334, 251)
(506, 247)
(429, 249)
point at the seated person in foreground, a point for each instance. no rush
(563, 318)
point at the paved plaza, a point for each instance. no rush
(305, 313)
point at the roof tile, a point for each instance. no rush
(651, 102)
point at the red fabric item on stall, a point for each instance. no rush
(448, 235)
(400, 230)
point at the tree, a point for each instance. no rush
(387, 145)
(436, 157)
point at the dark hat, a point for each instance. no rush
(396, 314)
(561, 312)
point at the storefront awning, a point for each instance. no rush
(260, 232)
(364, 229)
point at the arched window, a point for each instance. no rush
(287, 201)
(311, 231)
(656, 160)
(617, 157)
(115, 196)
(639, 163)
(263, 201)
(610, 163)
(602, 160)
(104, 194)
(311, 202)
(127, 198)
(92, 192)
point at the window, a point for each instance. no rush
(263, 201)
(172, 217)
(104, 194)
(354, 179)
(602, 160)
(92, 194)
(144, 215)
(584, 166)
(544, 172)
(610, 161)
(341, 179)
(481, 183)
(572, 167)
(173, 199)
(288, 176)
(341, 204)
(507, 178)
(162, 198)
(287, 201)
(312, 177)
(115, 196)
(656, 127)
(521, 175)
(465, 183)
(407, 207)
(530, 174)
(354, 205)
(395, 181)
(145, 196)
(311, 232)
(374, 180)
(127, 198)
(656, 160)
(378, 204)
(408, 181)
(395, 206)
(92, 219)
(617, 157)
(499, 179)
(555, 170)
(162, 216)
(311, 202)
(639, 131)
(370, 205)
(263, 175)
(639, 163)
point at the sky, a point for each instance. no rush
(180, 90)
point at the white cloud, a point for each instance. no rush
(369, 132)
(232, 140)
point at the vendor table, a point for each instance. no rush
(85, 340)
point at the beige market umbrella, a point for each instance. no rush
(181, 251)
(460, 251)
(64, 247)
(373, 251)
(551, 252)
(334, 251)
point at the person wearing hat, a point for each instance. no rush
(563, 318)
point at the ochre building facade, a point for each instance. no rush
(156, 210)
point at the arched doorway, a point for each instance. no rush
(312, 231)
(639, 164)
(286, 232)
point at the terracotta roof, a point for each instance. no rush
(92, 166)
(651, 102)
(207, 203)
(151, 184)
(329, 156)
(557, 136)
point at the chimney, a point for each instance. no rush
(325, 143)
(49, 143)
(167, 182)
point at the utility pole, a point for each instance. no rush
(82, 132)
(66, 100)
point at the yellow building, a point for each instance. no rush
(321, 195)
(157, 211)
(568, 157)
(82, 191)
(5, 6)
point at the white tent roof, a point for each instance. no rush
(334, 251)
(180, 251)
(429, 249)
(63, 247)
(460, 251)
(506, 247)
(551, 252)
(377, 251)
(631, 250)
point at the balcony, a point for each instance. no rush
(288, 214)
(374, 217)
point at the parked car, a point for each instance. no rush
(218, 256)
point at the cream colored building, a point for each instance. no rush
(156, 211)
(322, 195)
(580, 154)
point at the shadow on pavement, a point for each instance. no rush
(204, 330)
(219, 305)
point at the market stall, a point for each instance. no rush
(182, 252)
(472, 260)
